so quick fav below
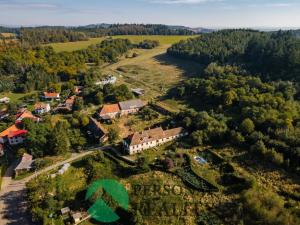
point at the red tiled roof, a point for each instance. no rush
(70, 100)
(26, 114)
(40, 105)
(51, 95)
(113, 108)
(17, 133)
(12, 132)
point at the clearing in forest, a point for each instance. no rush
(153, 70)
(78, 45)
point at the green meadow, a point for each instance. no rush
(73, 46)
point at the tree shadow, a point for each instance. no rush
(189, 68)
(16, 211)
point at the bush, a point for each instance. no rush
(247, 126)
(266, 207)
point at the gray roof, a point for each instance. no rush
(131, 104)
(25, 162)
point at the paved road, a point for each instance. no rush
(13, 209)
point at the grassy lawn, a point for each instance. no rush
(134, 123)
(15, 97)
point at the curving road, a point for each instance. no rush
(13, 210)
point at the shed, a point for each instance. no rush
(77, 217)
(65, 210)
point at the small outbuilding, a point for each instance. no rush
(77, 217)
(65, 211)
(25, 164)
(5, 100)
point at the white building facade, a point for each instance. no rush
(151, 138)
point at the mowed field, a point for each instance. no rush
(73, 46)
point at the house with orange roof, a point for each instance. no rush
(26, 115)
(51, 96)
(41, 108)
(67, 106)
(110, 111)
(13, 135)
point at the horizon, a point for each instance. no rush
(261, 28)
(279, 14)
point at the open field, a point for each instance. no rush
(163, 39)
(154, 71)
(73, 46)
(15, 97)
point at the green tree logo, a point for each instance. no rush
(100, 211)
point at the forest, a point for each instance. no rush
(34, 36)
(243, 111)
(273, 56)
(27, 69)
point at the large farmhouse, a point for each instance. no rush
(140, 141)
(131, 106)
(112, 111)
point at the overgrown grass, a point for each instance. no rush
(163, 39)
(77, 45)
(73, 46)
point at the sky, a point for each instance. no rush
(193, 13)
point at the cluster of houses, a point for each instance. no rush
(138, 141)
(14, 134)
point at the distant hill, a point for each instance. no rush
(201, 30)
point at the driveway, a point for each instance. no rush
(13, 210)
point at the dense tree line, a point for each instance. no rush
(133, 29)
(273, 55)
(44, 35)
(50, 34)
(226, 46)
(243, 110)
(27, 69)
